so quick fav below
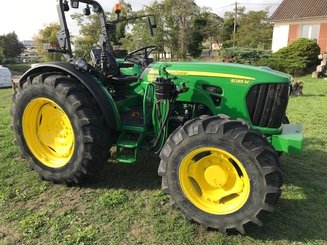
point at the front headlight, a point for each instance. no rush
(81, 64)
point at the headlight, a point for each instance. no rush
(81, 64)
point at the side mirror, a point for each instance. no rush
(87, 11)
(65, 6)
(74, 4)
(152, 25)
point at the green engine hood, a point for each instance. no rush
(236, 73)
(259, 95)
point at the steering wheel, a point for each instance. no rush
(141, 56)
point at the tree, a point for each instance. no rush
(227, 31)
(90, 30)
(255, 30)
(196, 36)
(1, 55)
(214, 24)
(174, 23)
(181, 14)
(47, 38)
(120, 31)
(139, 34)
(206, 26)
(11, 47)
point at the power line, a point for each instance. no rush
(232, 5)
(224, 7)
(259, 3)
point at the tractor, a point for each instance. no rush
(218, 128)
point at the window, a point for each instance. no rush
(310, 31)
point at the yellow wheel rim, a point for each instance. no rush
(48, 132)
(214, 180)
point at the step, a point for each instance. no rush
(133, 128)
(126, 159)
(128, 144)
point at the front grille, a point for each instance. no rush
(267, 104)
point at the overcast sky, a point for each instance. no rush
(26, 17)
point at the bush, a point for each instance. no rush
(249, 56)
(18, 68)
(297, 59)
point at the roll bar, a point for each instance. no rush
(63, 35)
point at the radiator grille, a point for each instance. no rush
(267, 104)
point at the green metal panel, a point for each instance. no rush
(234, 80)
(290, 140)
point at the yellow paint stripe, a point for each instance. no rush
(201, 73)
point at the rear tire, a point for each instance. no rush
(59, 128)
(220, 174)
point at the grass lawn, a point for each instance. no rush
(124, 204)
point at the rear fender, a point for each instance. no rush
(94, 86)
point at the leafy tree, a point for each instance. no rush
(204, 30)
(174, 26)
(11, 47)
(90, 30)
(214, 24)
(139, 34)
(197, 35)
(47, 38)
(254, 30)
(120, 31)
(1, 54)
(227, 31)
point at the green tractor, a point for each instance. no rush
(218, 128)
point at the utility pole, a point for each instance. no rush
(235, 24)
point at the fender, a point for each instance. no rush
(95, 87)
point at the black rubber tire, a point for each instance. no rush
(92, 138)
(249, 147)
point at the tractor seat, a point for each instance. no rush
(113, 67)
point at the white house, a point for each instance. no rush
(295, 19)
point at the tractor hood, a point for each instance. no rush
(234, 73)
(257, 94)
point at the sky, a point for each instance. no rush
(27, 17)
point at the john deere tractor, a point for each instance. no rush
(219, 128)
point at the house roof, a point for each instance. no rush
(300, 9)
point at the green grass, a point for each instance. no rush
(124, 204)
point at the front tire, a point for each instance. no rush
(59, 128)
(220, 174)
